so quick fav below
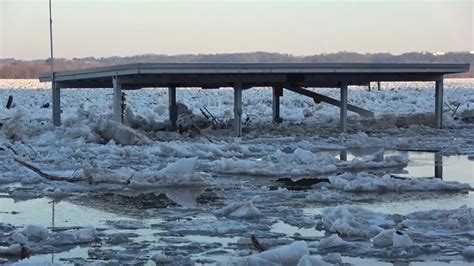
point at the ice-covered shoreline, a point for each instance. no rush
(166, 162)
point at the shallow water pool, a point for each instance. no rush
(160, 224)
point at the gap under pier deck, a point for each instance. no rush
(296, 77)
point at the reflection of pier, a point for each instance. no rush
(438, 165)
(343, 155)
(132, 203)
(438, 162)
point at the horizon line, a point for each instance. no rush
(436, 53)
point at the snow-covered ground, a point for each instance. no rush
(141, 195)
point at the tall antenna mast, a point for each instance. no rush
(54, 89)
(53, 81)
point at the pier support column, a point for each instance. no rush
(343, 107)
(117, 111)
(173, 108)
(438, 118)
(277, 93)
(238, 109)
(56, 93)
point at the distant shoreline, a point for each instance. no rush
(11, 68)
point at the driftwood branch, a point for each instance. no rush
(209, 116)
(201, 133)
(46, 175)
(454, 109)
(10, 148)
(89, 179)
(256, 244)
(10, 102)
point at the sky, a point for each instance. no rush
(83, 28)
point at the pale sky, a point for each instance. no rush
(130, 27)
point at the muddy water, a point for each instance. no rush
(157, 215)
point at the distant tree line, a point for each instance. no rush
(14, 69)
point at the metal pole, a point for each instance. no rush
(343, 108)
(438, 118)
(238, 109)
(51, 41)
(55, 91)
(117, 112)
(173, 108)
(438, 171)
(277, 93)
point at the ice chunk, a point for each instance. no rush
(160, 258)
(308, 260)
(97, 174)
(126, 224)
(19, 238)
(285, 255)
(255, 261)
(31, 262)
(160, 109)
(79, 131)
(376, 161)
(334, 258)
(120, 133)
(180, 173)
(303, 156)
(436, 222)
(184, 166)
(332, 242)
(13, 128)
(35, 232)
(242, 210)
(326, 195)
(73, 236)
(351, 220)
(366, 182)
(401, 240)
(378, 156)
(17, 250)
(384, 238)
(242, 166)
(86, 234)
(468, 252)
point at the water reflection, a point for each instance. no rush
(186, 197)
(345, 155)
(438, 167)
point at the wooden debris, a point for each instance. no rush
(73, 179)
(454, 108)
(256, 244)
(11, 148)
(200, 132)
(46, 175)
(10, 103)
(209, 116)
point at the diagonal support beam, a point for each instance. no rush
(322, 98)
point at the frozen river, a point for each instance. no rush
(307, 193)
